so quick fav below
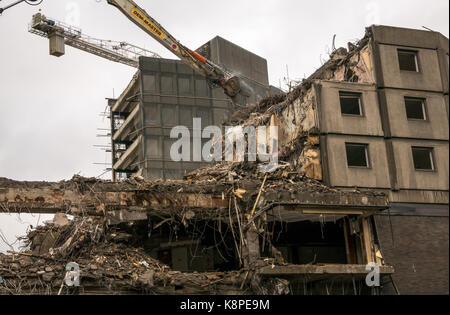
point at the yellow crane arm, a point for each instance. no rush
(213, 72)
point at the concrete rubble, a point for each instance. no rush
(112, 222)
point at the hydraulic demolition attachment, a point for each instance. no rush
(232, 85)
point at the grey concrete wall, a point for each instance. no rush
(436, 125)
(443, 53)
(251, 68)
(405, 36)
(432, 49)
(172, 95)
(428, 78)
(409, 178)
(333, 121)
(377, 176)
(446, 105)
(431, 83)
(419, 196)
(236, 59)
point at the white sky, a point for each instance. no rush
(49, 107)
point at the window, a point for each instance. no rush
(423, 159)
(186, 116)
(184, 86)
(149, 82)
(153, 148)
(357, 155)
(167, 85)
(408, 60)
(415, 108)
(204, 114)
(201, 88)
(169, 115)
(151, 114)
(350, 103)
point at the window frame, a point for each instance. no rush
(360, 99)
(432, 159)
(189, 91)
(416, 58)
(366, 147)
(424, 108)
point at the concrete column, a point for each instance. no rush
(251, 247)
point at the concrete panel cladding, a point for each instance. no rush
(236, 59)
(427, 171)
(417, 115)
(425, 77)
(172, 95)
(250, 67)
(424, 51)
(350, 108)
(374, 174)
(443, 52)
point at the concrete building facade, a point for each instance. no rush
(380, 110)
(374, 117)
(167, 93)
(400, 136)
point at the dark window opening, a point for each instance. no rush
(415, 108)
(408, 60)
(357, 155)
(350, 104)
(206, 246)
(308, 242)
(423, 159)
(318, 240)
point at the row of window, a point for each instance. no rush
(358, 156)
(180, 85)
(351, 105)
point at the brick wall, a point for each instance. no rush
(420, 253)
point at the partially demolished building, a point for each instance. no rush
(375, 117)
(166, 93)
(215, 233)
(362, 178)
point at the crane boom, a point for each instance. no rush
(232, 85)
(121, 52)
(213, 72)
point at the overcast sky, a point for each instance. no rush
(50, 107)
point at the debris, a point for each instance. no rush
(240, 193)
(60, 220)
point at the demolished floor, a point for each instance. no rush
(224, 230)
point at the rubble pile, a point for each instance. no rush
(111, 257)
(344, 65)
(107, 262)
(246, 173)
